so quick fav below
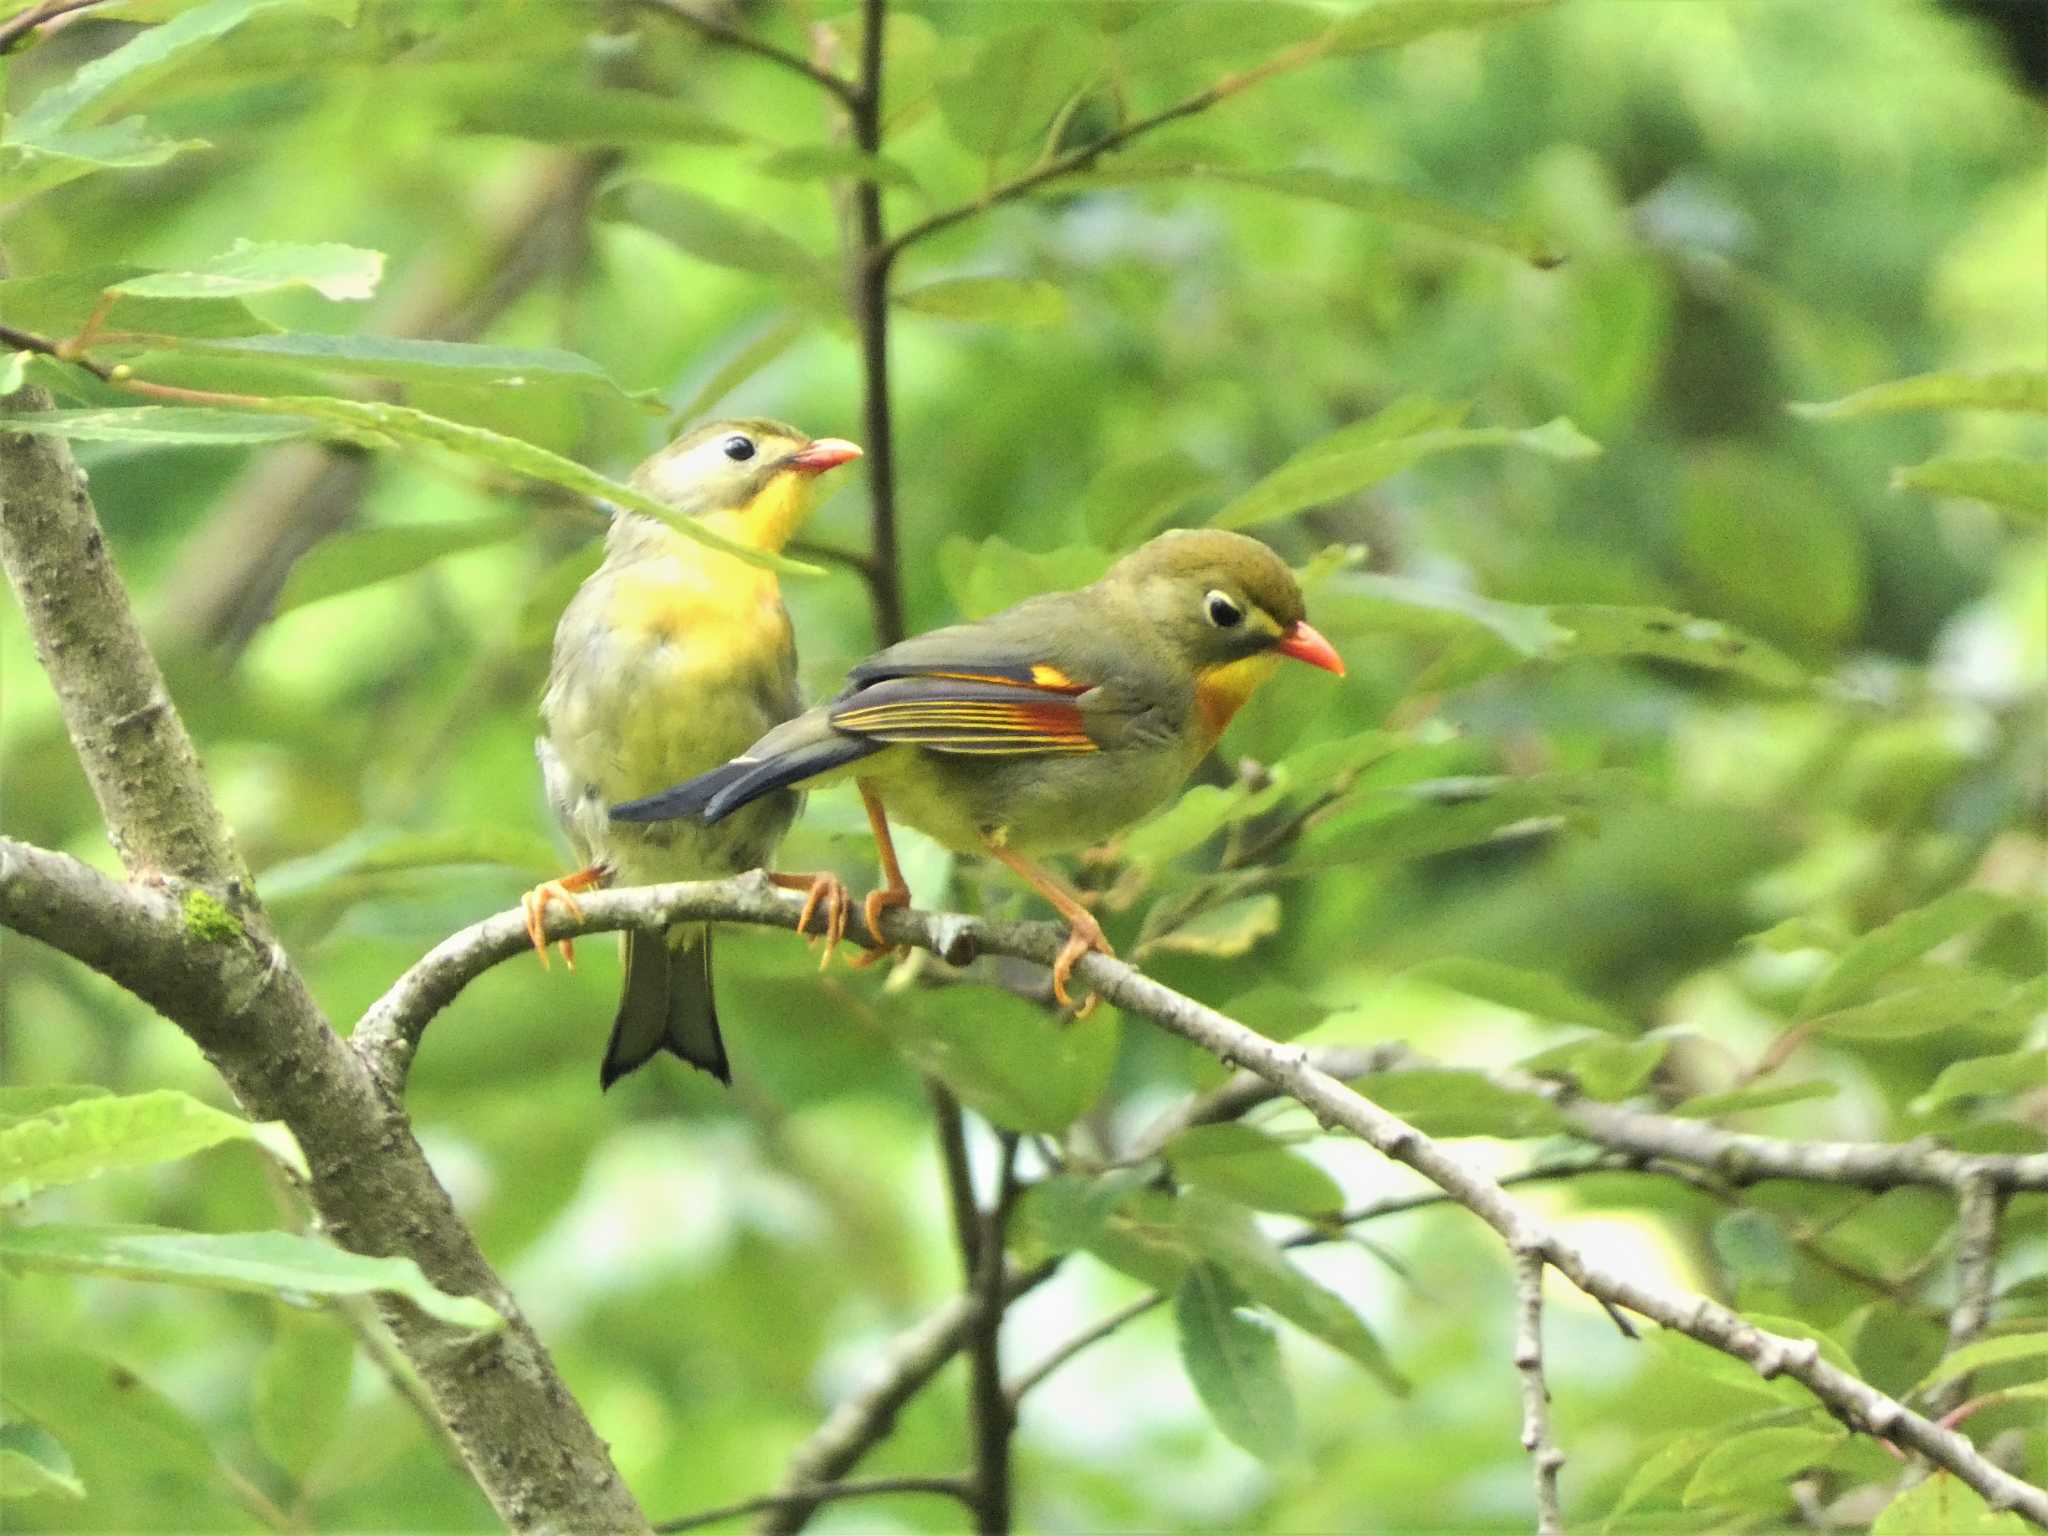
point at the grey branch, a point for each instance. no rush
(392, 1029)
(1979, 1207)
(1545, 1459)
(824, 1493)
(188, 937)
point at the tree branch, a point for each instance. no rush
(712, 30)
(1290, 1071)
(872, 257)
(1545, 1459)
(189, 937)
(824, 1493)
(1979, 1207)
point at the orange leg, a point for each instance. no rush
(827, 890)
(535, 904)
(894, 892)
(1084, 934)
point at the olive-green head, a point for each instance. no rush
(758, 478)
(1216, 598)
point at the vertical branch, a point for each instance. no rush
(1979, 1207)
(872, 258)
(1545, 1459)
(994, 1415)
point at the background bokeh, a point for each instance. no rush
(1760, 202)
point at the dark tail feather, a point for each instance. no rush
(666, 1005)
(716, 795)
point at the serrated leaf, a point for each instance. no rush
(1608, 1070)
(1905, 938)
(339, 272)
(273, 1263)
(584, 114)
(1445, 1101)
(1382, 200)
(1233, 1359)
(32, 1462)
(719, 235)
(351, 561)
(1536, 993)
(1008, 1059)
(1017, 81)
(1706, 1106)
(2001, 1076)
(91, 1136)
(1390, 23)
(1224, 931)
(1319, 474)
(2000, 1349)
(1739, 1466)
(1018, 301)
(1944, 1506)
(1241, 1163)
(835, 162)
(1226, 1234)
(2005, 389)
(410, 359)
(301, 1389)
(2013, 484)
(166, 425)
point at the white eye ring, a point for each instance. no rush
(1222, 612)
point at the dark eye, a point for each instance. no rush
(739, 449)
(1223, 613)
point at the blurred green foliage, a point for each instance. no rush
(1692, 746)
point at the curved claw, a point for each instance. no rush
(535, 905)
(1084, 936)
(826, 890)
(878, 902)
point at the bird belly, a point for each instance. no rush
(1037, 804)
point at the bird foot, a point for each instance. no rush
(535, 905)
(871, 909)
(825, 890)
(1084, 936)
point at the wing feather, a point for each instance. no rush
(980, 713)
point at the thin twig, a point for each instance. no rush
(1085, 157)
(29, 341)
(992, 1420)
(19, 25)
(1979, 1208)
(713, 30)
(824, 1493)
(1545, 1459)
(1086, 1339)
(870, 265)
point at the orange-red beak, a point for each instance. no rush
(1304, 644)
(826, 453)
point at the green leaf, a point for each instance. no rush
(577, 113)
(60, 304)
(1905, 938)
(1018, 301)
(752, 355)
(1944, 1506)
(1444, 1101)
(1320, 474)
(91, 1136)
(1144, 1237)
(1946, 999)
(2013, 484)
(32, 1461)
(1226, 1234)
(340, 272)
(50, 157)
(1382, 200)
(1132, 498)
(27, 1101)
(1737, 1468)
(1390, 23)
(1772, 547)
(1017, 81)
(2001, 1076)
(408, 358)
(1233, 1359)
(1222, 932)
(301, 1389)
(383, 850)
(166, 425)
(2006, 389)
(1532, 992)
(985, 575)
(1609, 1070)
(2000, 1349)
(148, 53)
(1708, 1106)
(13, 371)
(1662, 634)
(1008, 1059)
(1749, 1244)
(1198, 815)
(273, 1263)
(1659, 1468)
(835, 162)
(1277, 1012)
(1238, 1162)
(719, 236)
(1414, 820)
(352, 561)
